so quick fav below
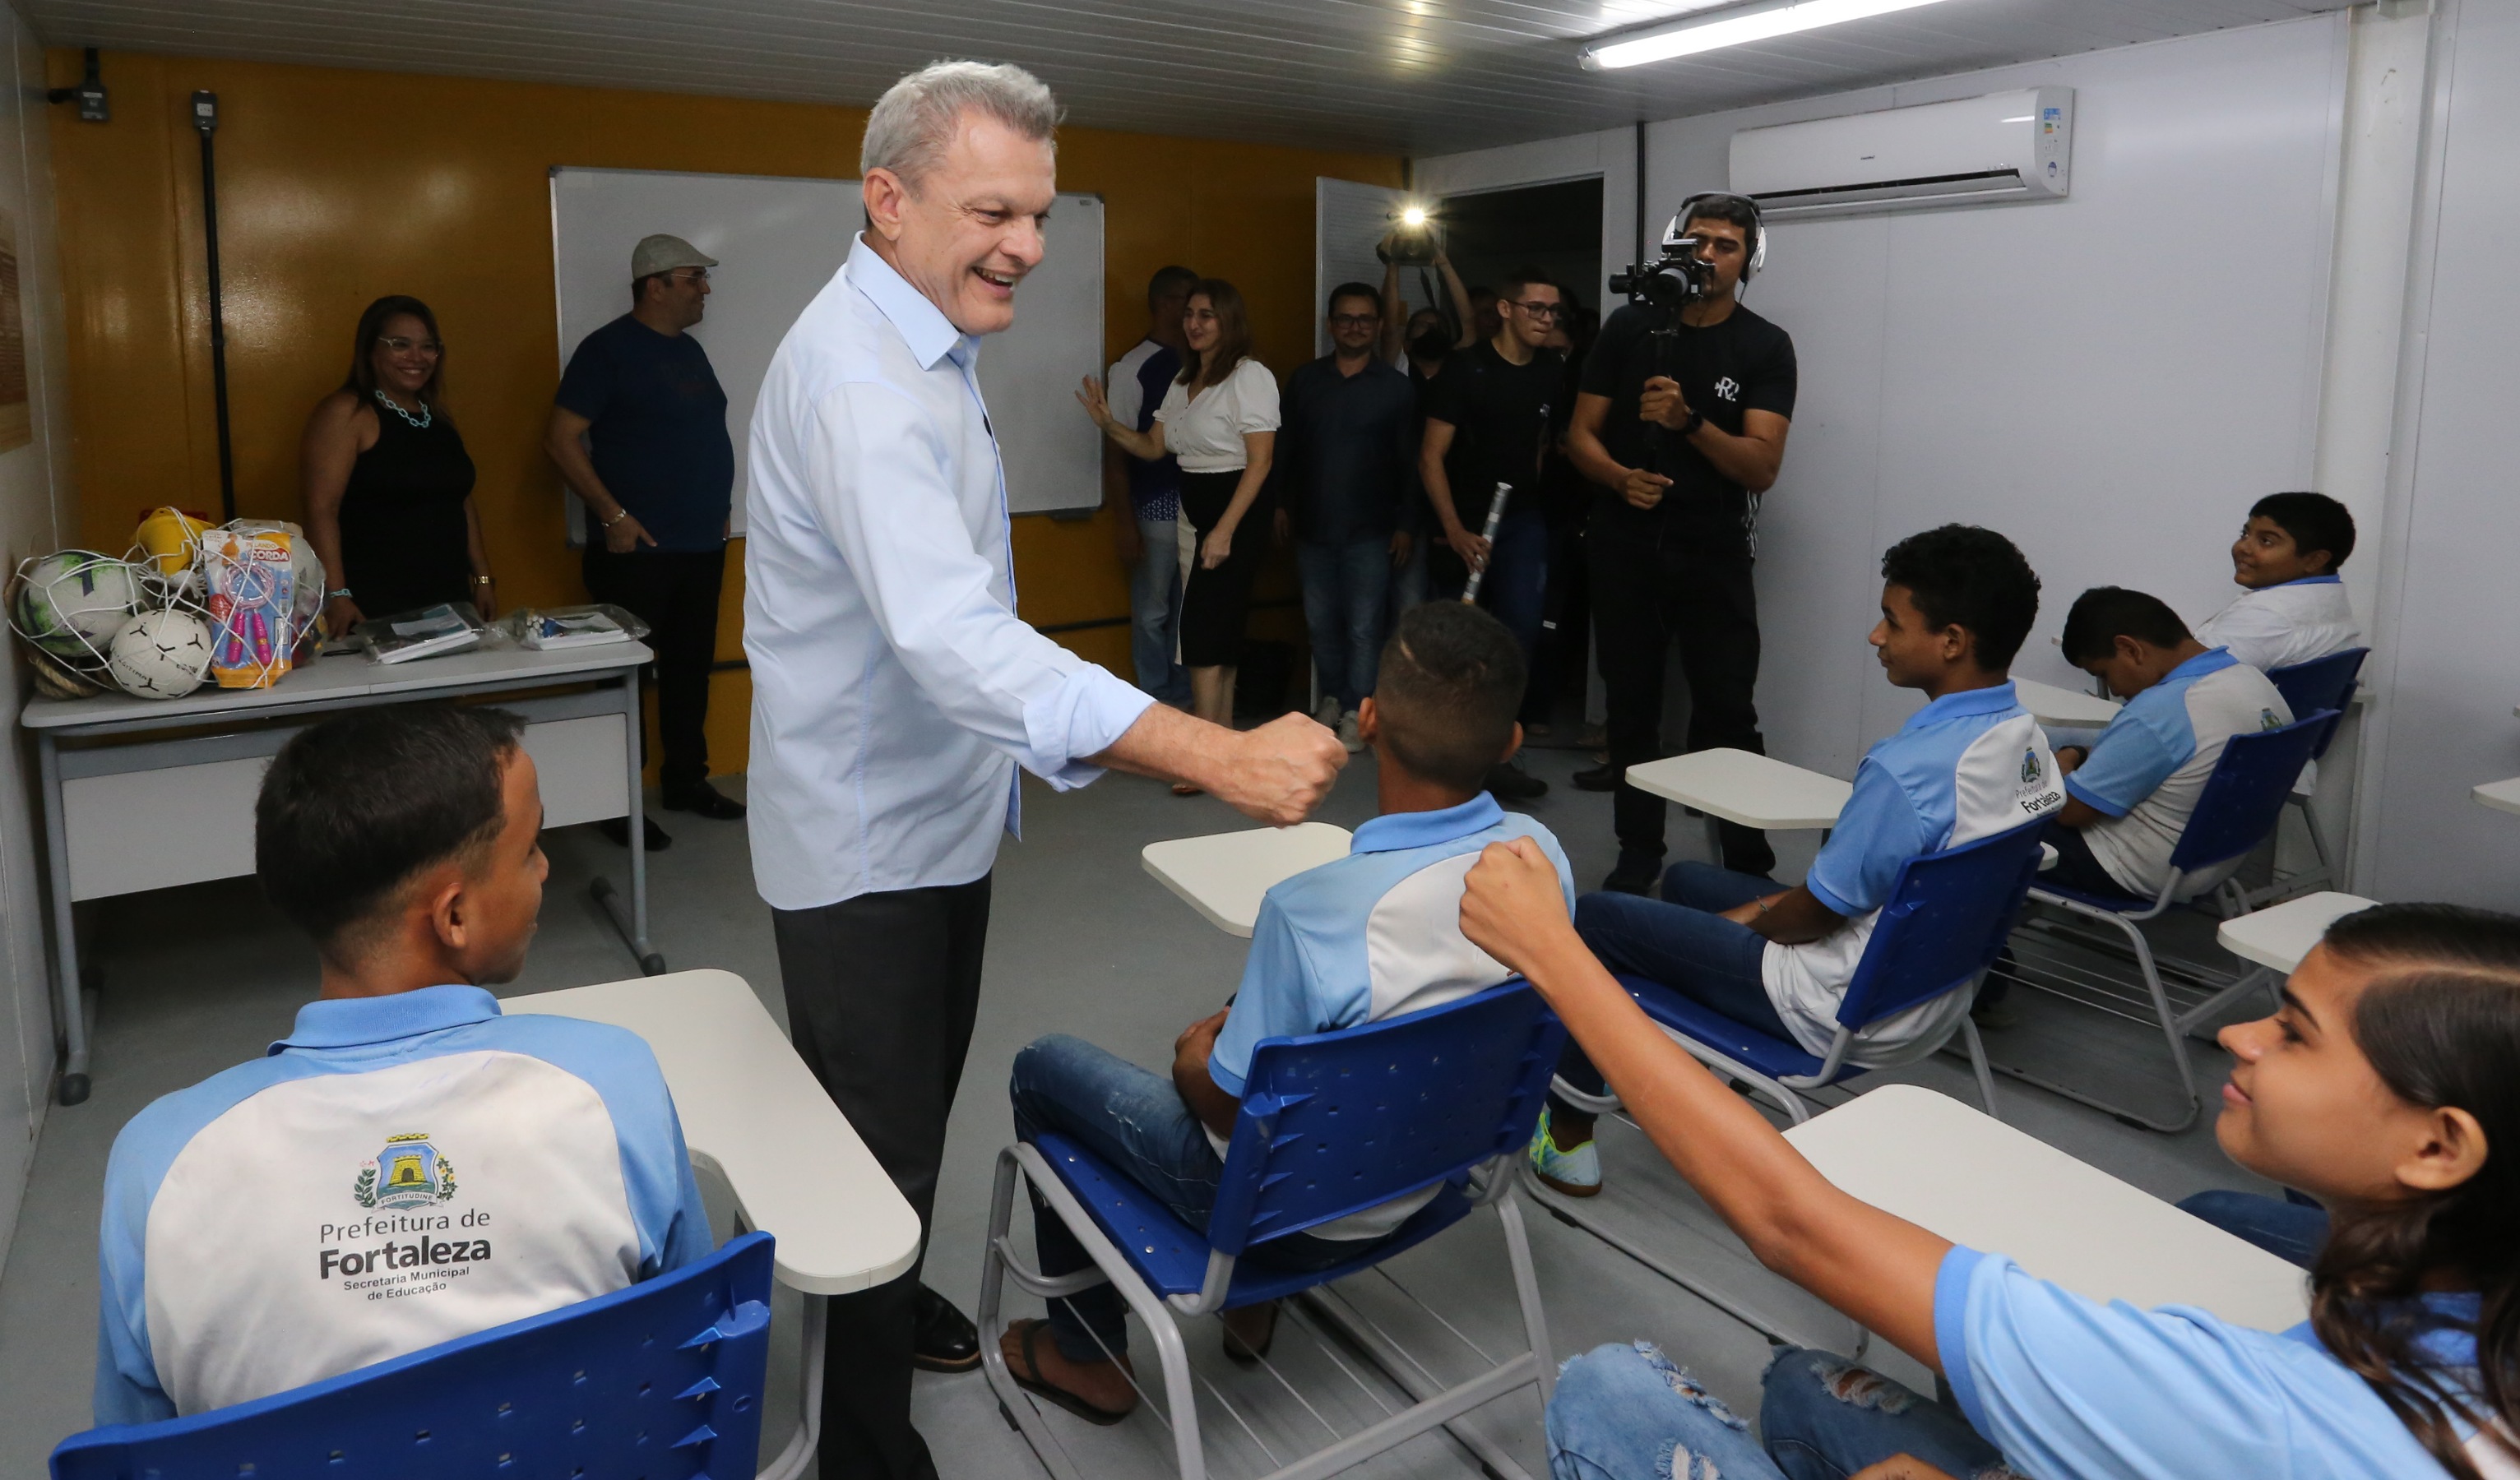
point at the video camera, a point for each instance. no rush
(1680, 276)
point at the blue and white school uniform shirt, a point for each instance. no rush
(1369, 936)
(2278, 626)
(2148, 768)
(399, 1172)
(1968, 765)
(2072, 1389)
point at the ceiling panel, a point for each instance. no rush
(1411, 76)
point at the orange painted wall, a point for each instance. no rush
(337, 186)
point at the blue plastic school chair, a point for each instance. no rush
(1947, 921)
(1949, 916)
(2237, 810)
(1330, 1124)
(2322, 683)
(662, 1380)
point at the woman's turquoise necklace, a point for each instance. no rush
(420, 422)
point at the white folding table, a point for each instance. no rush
(2051, 705)
(146, 793)
(1223, 874)
(751, 1112)
(2502, 797)
(1975, 1181)
(1738, 787)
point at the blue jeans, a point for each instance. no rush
(1682, 941)
(1626, 1412)
(2288, 1229)
(1154, 612)
(1517, 587)
(1135, 1120)
(1408, 581)
(1344, 589)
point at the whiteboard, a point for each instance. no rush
(778, 241)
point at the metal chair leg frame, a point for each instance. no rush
(1432, 1409)
(2260, 979)
(2170, 1031)
(998, 1260)
(799, 1452)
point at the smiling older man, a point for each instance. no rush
(895, 692)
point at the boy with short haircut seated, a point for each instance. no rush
(407, 1166)
(1366, 937)
(1955, 605)
(2129, 793)
(2295, 608)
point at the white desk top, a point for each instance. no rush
(751, 1108)
(343, 676)
(2502, 797)
(2280, 935)
(1223, 874)
(1978, 1181)
(1738, 787)
(2051, 705)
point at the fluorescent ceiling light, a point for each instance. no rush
(1756, 22)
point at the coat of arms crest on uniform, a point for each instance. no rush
(2029, 768)
(409, 1173)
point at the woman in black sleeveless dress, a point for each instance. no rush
(387, 482)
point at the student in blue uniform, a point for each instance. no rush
(407, 1166)
(2293, 605)
(2382, 1086)
(1955, 604)
(2131, 791)
(1359, 939)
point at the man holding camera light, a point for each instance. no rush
(1680, 419)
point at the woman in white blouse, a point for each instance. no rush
(1220, 421)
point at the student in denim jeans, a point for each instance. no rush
(2381, 1086)
(1361, 938)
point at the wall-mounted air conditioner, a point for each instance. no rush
(2015, 146)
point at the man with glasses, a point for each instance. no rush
(639, 432)
(1343, 456)
(1487, 424)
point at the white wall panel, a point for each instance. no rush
(2449, 656)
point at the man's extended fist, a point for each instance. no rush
(1281, 771)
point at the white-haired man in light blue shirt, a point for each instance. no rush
(896, 693)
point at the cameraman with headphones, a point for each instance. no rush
(1680, 419)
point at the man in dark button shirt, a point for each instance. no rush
(1488, 423)
(1680, 420)
(1342, 474)
(639, 432)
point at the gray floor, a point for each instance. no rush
(1083, 942)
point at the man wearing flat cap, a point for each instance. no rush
(639, 432)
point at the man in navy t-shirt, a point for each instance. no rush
(639, 432)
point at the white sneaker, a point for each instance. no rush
(1328, 711)
(1575, 1171)
(1347, 732)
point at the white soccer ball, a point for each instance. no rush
(162, 654)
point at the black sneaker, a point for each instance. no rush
(617, 828)
(704, 799)
(1511, 783)
(1601, 778)
(1635, 874)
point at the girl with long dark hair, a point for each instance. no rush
(1220, 421)
(387, 484)
(2383, 1086)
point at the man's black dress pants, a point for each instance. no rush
(881, 993)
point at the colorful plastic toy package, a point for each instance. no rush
(252, 606)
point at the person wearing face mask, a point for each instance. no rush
(896, 693)
(387, 483)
